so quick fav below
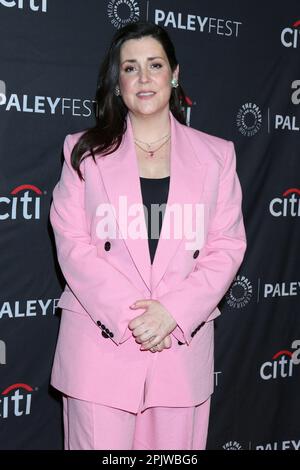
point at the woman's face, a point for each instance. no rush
(144, 68)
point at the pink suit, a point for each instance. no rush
(97, 358)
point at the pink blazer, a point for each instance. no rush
(97, 358)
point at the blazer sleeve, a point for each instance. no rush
(193, 301)
(103, 291)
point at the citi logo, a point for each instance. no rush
(33, 5)
(290, 36)
(24, 202)
(281, 366)
(286, 206)
(16, 400)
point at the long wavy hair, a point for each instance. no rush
(110, 110)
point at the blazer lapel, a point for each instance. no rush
(187, 175)
(120, 174)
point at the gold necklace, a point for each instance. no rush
(151, 152)
(151, 143)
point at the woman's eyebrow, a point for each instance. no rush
(148, 58)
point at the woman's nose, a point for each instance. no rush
(144, 75)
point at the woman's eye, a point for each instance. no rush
(129, 69)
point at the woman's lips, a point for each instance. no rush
(145, 95)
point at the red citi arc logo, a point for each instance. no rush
(22, 203)
(281, 366)
(287, 205)
(16, 400)
(290, 36)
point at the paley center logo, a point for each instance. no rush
(281, 289)
(290, 35)
(281, 366)
(292, 444)
(287, 205)
(24, 202)
(202, 24)
(45, 104)
(249, 119)
(278, 445)
(123, 12)
(240, 292)
(33, 5)
(28, 308)
(15, 400)
(232, 445)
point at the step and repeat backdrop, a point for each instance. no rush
(240, 67)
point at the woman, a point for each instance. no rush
(134, 357)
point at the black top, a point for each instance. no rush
(154, 191)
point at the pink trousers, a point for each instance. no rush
(91, 426)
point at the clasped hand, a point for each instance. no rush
(153, 327)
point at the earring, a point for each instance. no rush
(174, 82)
(117, 90)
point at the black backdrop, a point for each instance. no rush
(241, 70)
